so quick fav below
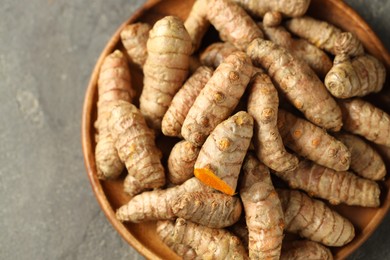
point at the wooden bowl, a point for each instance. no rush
(109, 193)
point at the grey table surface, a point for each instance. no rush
(47, 52)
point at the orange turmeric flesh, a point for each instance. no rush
(209, 178)
(219, 161)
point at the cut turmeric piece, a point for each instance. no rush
(209, 178)
(220, 158)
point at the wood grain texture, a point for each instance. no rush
(110, 194)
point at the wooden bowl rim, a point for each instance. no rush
(87, 126)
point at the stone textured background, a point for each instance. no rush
(47, 51)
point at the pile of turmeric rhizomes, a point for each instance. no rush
(262, 108)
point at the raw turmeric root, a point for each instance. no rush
(298, 83)
(113, 84)
(355, 77)
(233, 23)
(181, 162)
(134, 38)
(314, 220)
(136, 148)
(157, 204)
(312, 142)
(362, 118)
(165, 69)
(208, 243)
(165, 229)
(197, 23)
(348, 44)
(263, 211)
(320, 33)
(290, 8)
(304, 250)
(220, 158)
(365, 161)
(336, 187)
(183, 100)
(300, 48)
(221, 210)
(216, 53)
(218, 98)
(263, 105)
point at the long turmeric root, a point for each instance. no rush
(263, 211)
(355, 77)
(136, 148)
(209, 243)
(312, 142)
(181, 162)
(317, 59)
(157, 204)
(312, 219)
(291, 8)
(183, 100)
(365, 161)
(165, 69)
(304, 250)
(298, 82)
(320, 33)
(362, 118)
(113, 85)
(218, 98)
(197, 23)
(336, 187)
(263, 105)
(233, 23)
(134, 38)
(220, 158)
(221, 210)
(216, 53)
